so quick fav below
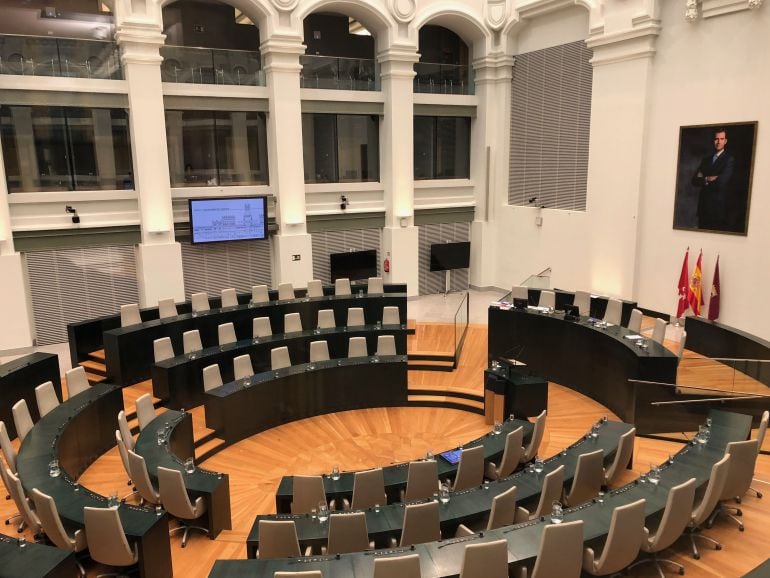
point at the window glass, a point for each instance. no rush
(240, 148)
(358, 148)
(100, 148)
(423, 147)
(319, 144)
(453, 147)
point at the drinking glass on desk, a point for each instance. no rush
(53, 469)
(112, 501)
(595, 431)
(323, 512)
(557, 513)
(443, 494)
(654, 475)
(539, 465)
(498, 428)
(335, 472)
(189, 465)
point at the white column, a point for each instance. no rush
(29, 170)
(292, 247)
(622, 61)
(15, 303)
(159, 257)
(489, 160)
(400, 236)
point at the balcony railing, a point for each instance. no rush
(211, 66)
(337, 73)
(442, 78)
(67, 57)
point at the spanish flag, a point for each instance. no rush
(695, 296)
(714, 300)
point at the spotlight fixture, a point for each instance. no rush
(74, 212)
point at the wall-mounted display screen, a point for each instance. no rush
(228, 219)
(354, 265)
(446, 256)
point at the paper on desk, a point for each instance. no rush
(634, 336)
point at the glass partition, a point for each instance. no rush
(182, 64)
(74, 58)
(337, 73)
(437, 78)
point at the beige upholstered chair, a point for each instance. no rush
(9, 453)
(682, 343)
(191, 341)
(319, 351)
(398, 567)
(141, 478)
(7, 483)
(278, 539)
(315, 288)
(659, 331)
(355, 317)
(561, 552)
(547, 299)
(743, 459)
(125, 431)
(347, 533)
(386, 345)
(623, 456)
(53, 527)
(229, 298)
(261, 327)
(421, 524)
(46, 397)
(226, 333)
(162, 349)
(28, 515)
(285, 291)
(470, 471)
(588, 480)
(259, 294)
(200, 302)
(537, 436)
(635, 322)
(760, 440)
(77, 381)
(390, 315)
(519, 292)
(123, 453)
(175, 500)
(614, 311)
(421, 481)
(369, 489)
(292, 323)
(375, 286)
(279, 358)
(242, 368)
(308, 493)
(326, 319)
(511, 456)
(129, 315)
(357, 347)
(145, 410)
(342, 287)
(706, 506)
(624, 540)
(553, 485)
(583, 301)
(502, 514)
(486, 560)
(212, 377)
(107, 543)
(676, 516)
(167, 308)
(22, 419)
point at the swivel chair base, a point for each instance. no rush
(187, 528)
(658, 562)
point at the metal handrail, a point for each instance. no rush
(459, 342)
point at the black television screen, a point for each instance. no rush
(354, 265)
(445, 256)
(228, 219)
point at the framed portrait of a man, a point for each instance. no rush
(713, 181)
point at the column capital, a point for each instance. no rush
(398, 62)
(282, 52)
(140, 43)
(493, 68)
(636, 42)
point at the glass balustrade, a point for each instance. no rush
(211, 66)
(337, 73)
(442, 78)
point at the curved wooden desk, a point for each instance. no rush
(18, 380)
(128, 351)
(395, 475)
(77, 432)
(444, 559)
(240, 409)
(179, 380)
(34, 560)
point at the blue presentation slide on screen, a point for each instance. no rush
(227, 220)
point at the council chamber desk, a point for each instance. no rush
(597, 362)
(444, 559)
(22, 559)
(18, 380)
(77, 432)
(179, 380)
(128, 351)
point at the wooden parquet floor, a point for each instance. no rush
(367, 438)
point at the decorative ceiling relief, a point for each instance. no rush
(403, 10)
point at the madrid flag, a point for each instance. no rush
(715, 291)
(695, 296)
(682, 286)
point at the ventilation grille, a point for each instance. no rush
(70, 285)
(430, 234)
(327, 242)
(550, 127)
(209, 268)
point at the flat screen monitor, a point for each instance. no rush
(571, 312)
(355, 265)
(452, 456)
(446, 256)
(228, 219)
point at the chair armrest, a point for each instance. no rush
(522, 515)
(588, 560)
